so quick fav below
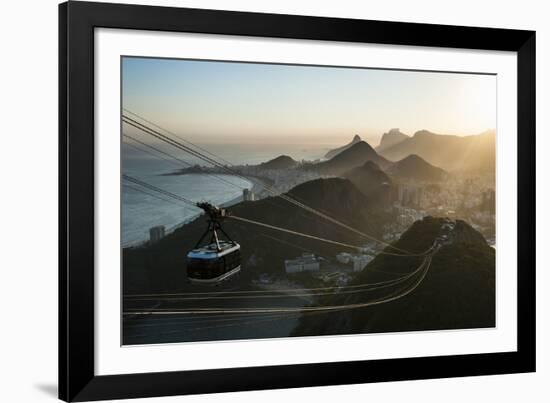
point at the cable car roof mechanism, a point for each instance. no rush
(217, 260)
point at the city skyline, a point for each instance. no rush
(236, 102)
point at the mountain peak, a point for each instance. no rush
(394, 132)
(413, 158)
(328, 194)
(332, 153)
(354, 156)
(391, 138)
(437, 303)
(374, 183)
(362, 143)
(423, 133)
(415, 168)
(359, 147)
(280, 162)
(471, 153)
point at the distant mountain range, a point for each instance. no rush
(334, 152)
(458, 291)
(355, 155)
(281, 162)
(453, 153)
(391, 138)
(415, 168)
(361, 164)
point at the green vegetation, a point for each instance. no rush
(161, 267)
(458, 291)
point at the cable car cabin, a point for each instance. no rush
(211, 265)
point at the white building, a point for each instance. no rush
(357, 261)
(343, 257)
(306, 262)
(367, 248)
(156, 233)
(248, 195)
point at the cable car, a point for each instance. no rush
(217, 260)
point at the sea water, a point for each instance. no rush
(141, 211)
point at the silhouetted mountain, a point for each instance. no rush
(416, 169)
(452, 153)
(160, 267)
(281, 162)
(457, 292)
(374, 183)
(391, 138)
(332, 153)
(357, 155)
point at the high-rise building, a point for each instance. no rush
(387, 194)
(401, 193)
(307, 262)
(248, 195)
(156, 233)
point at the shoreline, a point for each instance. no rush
(256, 188)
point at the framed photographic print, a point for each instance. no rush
(259, 201)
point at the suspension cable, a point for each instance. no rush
(185, 200)
(159, 190)
(156, 196)
(175, 135)
(247, 220)
(327, 308)
(176, 159)
(197, 154)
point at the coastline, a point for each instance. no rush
(257, 187)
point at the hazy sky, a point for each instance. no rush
(241, 102)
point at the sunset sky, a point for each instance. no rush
(253, 103)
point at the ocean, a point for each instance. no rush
(140, 211)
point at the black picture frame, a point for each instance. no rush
(77, 21)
